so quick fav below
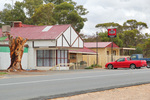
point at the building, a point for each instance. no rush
(46, 47)
(104, 52)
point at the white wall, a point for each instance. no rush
(45, 43)
(5, 60)
(31, 56)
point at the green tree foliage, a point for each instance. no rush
(17, 14)
(44, 15)
(31, 5)
(75, 12)
(105, 26)
(6, 14)
(128, 35)
(65, 13)
(36, 13)
(146, 48)
(129, 38)
(104, 37)
(133, 24)
(57, 2)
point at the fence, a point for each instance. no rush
(102, 60)
(87, 60)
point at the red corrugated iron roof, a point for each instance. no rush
(36, 32)
(84, 50)
(26, 25)
(100, 44)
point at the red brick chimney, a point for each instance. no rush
(17, 24)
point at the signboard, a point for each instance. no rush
(112, 33)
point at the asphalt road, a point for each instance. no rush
(69, 83)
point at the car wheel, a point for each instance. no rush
(110, 66)
(148, 64)
(132, 66)
(115, 68)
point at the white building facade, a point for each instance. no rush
(47, 46)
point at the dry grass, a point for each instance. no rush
(141, 92)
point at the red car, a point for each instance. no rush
(126, 63)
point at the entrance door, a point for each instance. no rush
(73, 58)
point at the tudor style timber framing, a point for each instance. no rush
(69, 38)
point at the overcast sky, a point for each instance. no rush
(103, 11)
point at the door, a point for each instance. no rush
(121, 63)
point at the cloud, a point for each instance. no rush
(103, 11)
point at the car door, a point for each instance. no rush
(121, 63)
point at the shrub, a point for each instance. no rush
(96, 66)
(83, 62)
(88, 67)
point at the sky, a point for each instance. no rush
(104, 11)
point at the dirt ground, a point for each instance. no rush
(140, 92)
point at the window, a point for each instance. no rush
(72, 56)
(121, 59)
(114, 52)
(46, 58)
(133, 57)
(140, 55)
(107, 52)
(62, 56)
(128, 59)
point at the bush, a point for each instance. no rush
(88, 67)
(96, 66)
(83, 62)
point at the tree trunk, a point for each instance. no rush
(16, 52)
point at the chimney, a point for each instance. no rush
(17, 24)
(5, 29)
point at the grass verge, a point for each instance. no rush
(3, 73)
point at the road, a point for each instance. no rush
(69, 83)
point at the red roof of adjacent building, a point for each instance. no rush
(100, 44)
(84, 50)
(38, 32)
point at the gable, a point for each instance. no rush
(70, 38)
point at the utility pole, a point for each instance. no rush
(112, 34)
(112, 49)
(97, 48)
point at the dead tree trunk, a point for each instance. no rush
(16, 52)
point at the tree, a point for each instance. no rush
(133, 24)
(16, 52)
(57, 2)
(65, 13)
(17, 14)
(104, 26)
(6, 14)
(104, 38)
(44, 15)
(129, 38)
(75, 12)
(146, 47)
(31, 5)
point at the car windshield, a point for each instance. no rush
(121, 59)
(128, 58)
